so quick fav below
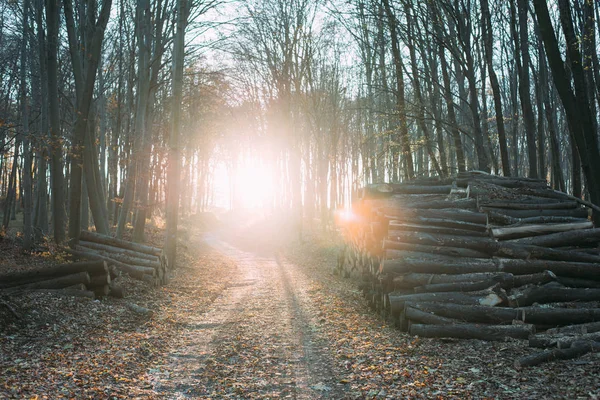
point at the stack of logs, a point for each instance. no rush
(139, 261)
(479, 256)
(82, 279)
(105, 259)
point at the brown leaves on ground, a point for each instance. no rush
(65, 347)
(381, 362)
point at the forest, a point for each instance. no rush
(113, 111)
(312, 199)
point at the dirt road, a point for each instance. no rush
(260, 338)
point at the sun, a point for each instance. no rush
(253, 185)
(247, 185)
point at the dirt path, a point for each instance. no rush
(260, 338)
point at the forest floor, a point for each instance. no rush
(252, 319)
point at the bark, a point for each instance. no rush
(535, 230)
(573, 213)
(392, 250)
(85, 67)
(550, 294)
(503, 315)
(400, 95)
(56, 170)
(489, 55)
(522, 60)
(447, 214)
(590, 327)
(174, 166)
(395, 228)
(415, 315)
(55, 283)
(420, 263)
(484, 298)
(471, 331)
(27, 153)
(417, 91)
(124, 244)
(570, 238)
(413, 279)
(123, 258)
(136, 272)
(45, 273)
(508, 249)
(576, 350)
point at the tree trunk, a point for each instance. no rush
(409, 172)
(489, 56)
(56, 169)
(174, 166)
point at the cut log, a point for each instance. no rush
(422, 317)
(550, 220)
(554, 194)
(124, 244)
(486, 298)
(571, 238)
(535, 279)
(396, 227)
(574, 213)
(135, 272)
(99, 280)
(541, 316)
(576, 350)
(55, 283)
(415, 262)
(589, 327)
(446, 223)
(117, 250)
(421, 263)
(45, 273)
(456, 287)
(507, 183)
(561, 340)
(577, 283)
(445, 214)
(412, 279)
(392, 246)
(465, 204)
(513, 232)
(550, 294)
(396, 188)
(473, 331)
(506, 281)
(142, 262)
(530, 206)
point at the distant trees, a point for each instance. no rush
(106, 110)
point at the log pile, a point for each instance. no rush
(139, 261)
(477, 256)
(103, 258)
(82, 279)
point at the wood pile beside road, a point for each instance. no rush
(477, 256)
